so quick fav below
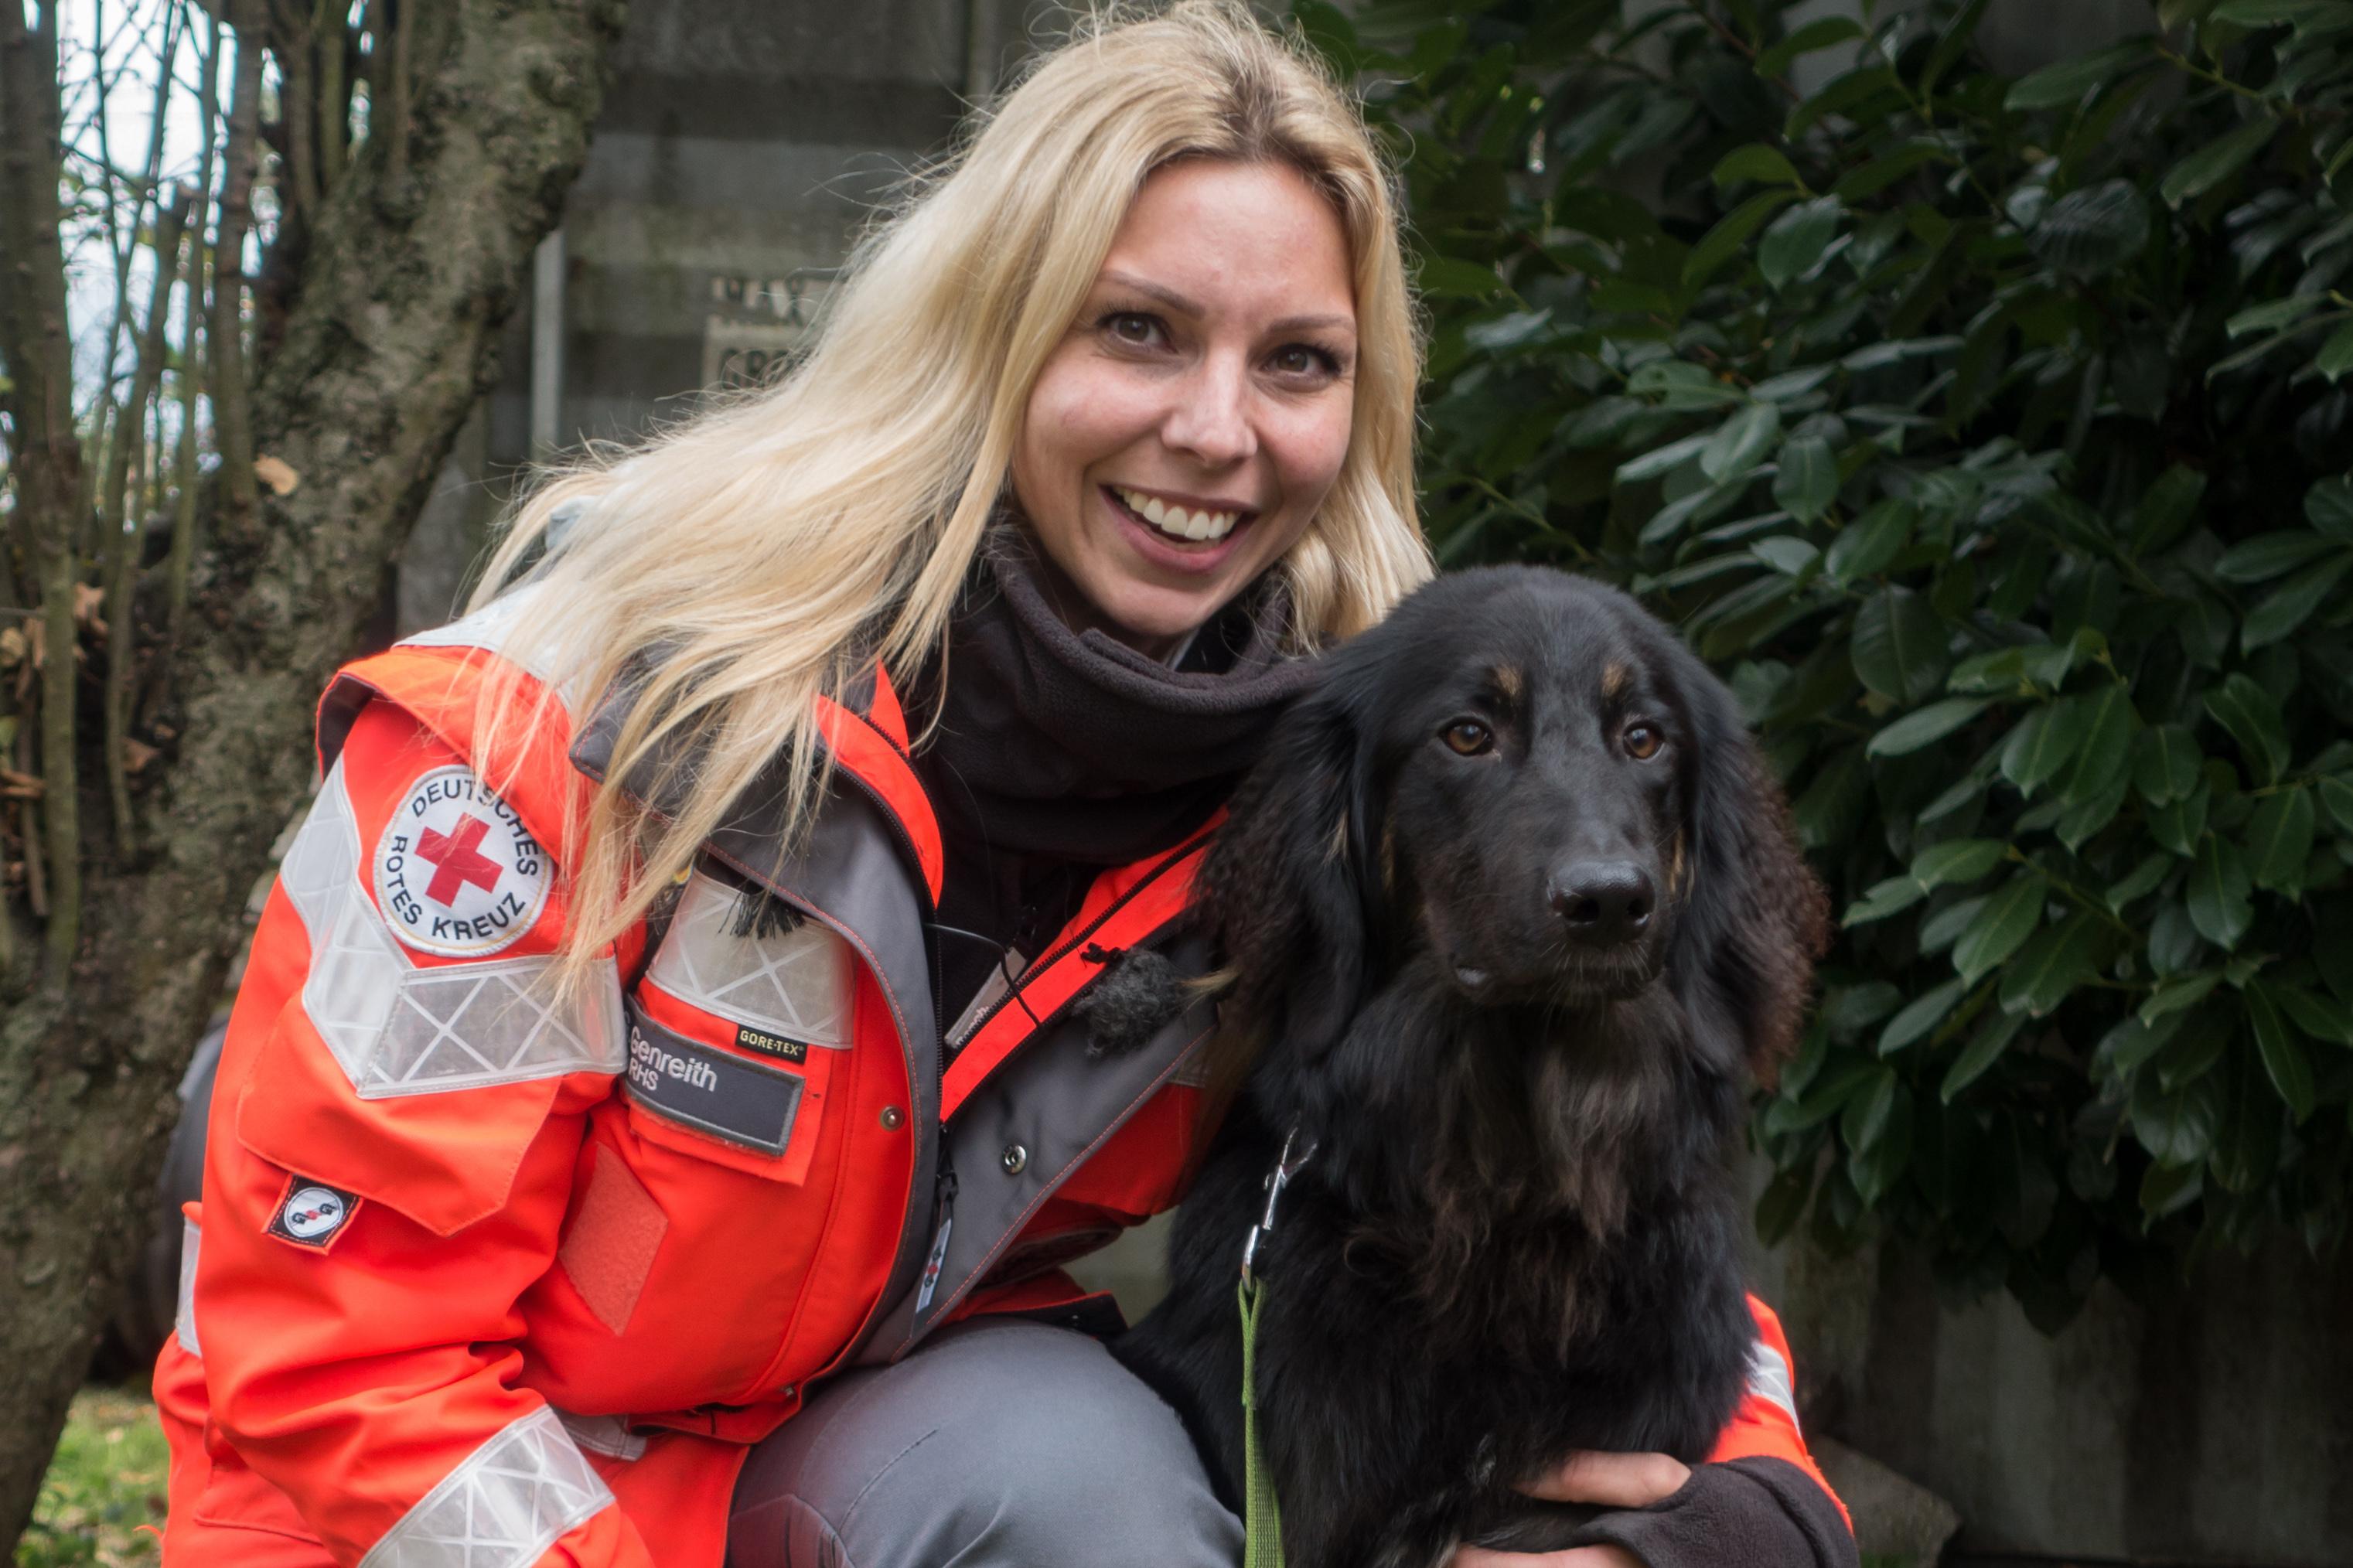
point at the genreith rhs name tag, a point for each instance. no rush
(710, 1091)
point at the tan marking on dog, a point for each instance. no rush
(1675, 866)
(1337, 850)
(1510, 682)
(1615, 675)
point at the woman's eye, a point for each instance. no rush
(1133, 329)
(1300, 359)
(1642, 741)
(1468, 737)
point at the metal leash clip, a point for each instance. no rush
(1285, 1167)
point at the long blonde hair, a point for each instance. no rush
(776, 545)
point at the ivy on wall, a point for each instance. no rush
(1991, 434)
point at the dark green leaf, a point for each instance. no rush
(1661, 460)
(2048, 969)
(1992, 1037)
(1924, 726)
(1449, 278)
(2063, 85)
(2337, 794)
(2253, 719)
(2279, 840)
(2322, 1017)
(1808, 481)
(2175, 995)
(2178, 1126)
(1754, 161)
(1919, 1017)
(1899, 646)
(2218, 891)
(2166, 508)
(1786, 553)
(1841, 94)
(1821, 33)
(2107, 748)
(1798, 238)
(1865, 1117)
(2043, 744)
(2008, 918)
(1881, 899)
(2285, 1058)
(2335, 356)
(1956, 860)
(2139, 883)
(2165, 763)
(1871, 540)
(2093, 230)
(1724, 242)
(2169, 1189)
(1875, 1170)
(2178, 823)
(2132, 1042)
(2292, 604)
(2329, 507)
(2273, 314)
(2216, 161)
(2268, 555)
(1741, 443)
(1944, 928)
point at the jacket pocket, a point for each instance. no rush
(735, 1031)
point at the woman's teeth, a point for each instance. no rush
(1174, 520)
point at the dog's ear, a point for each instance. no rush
(1289, 887)
(1754, 918)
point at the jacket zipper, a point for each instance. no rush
(1054, 955)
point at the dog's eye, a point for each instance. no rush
(1469, 737)
(1642, 741)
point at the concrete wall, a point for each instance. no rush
(2199, 1419)
(741, 146)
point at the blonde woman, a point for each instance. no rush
(670, 1073)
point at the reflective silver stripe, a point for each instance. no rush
(396, 1029)
(606, 1434)
(1768, 1379)
(488, 629)
(795, 982)
(183, 1321)
(509, 1502)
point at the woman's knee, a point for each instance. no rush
(1003, 1443)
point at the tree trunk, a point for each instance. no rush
(387, 343)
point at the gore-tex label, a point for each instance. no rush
(710, 1091)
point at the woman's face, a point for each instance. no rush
(1183, 434)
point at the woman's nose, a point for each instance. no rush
(1210, 421)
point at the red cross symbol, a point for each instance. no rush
(458, 858)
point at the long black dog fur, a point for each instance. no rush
(1519, 1233)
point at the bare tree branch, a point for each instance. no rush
(47, 458)
(232, 400)
(183, 505)
(122, 524)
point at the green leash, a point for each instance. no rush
(1261, 1510)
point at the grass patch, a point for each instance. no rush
(106, 1481)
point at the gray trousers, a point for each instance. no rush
(1000, 1444)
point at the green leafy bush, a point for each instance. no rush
(1989, 434)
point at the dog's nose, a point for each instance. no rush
(1605, 902)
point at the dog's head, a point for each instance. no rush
(1524, 778)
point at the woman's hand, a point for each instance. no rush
(1603, 1481)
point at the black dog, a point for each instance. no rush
(1511, 911)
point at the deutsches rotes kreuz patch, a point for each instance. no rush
(456, 872)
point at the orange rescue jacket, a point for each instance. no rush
(484, 1278)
